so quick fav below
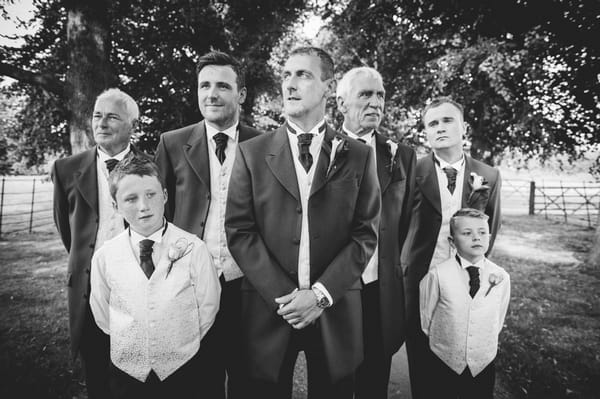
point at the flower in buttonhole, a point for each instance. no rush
(178, 250)
(494, 280)
(393, 150)
(480, 192)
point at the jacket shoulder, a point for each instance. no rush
(249, 131)
(181, 133)
(70, 163)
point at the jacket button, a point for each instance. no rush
(296, 241)
(299, 209)
(201, 224)
(87, 271)
(92, 245)
(85, 296)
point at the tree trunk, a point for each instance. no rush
(89, 71)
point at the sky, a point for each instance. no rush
(19, 10)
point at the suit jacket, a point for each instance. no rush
(182, 158)
(397, 189)
(263, 226)
(427, 219)
(76, 217)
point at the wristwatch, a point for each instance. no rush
(322, 301)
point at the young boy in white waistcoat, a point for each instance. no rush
(463, 302)
(154, 290)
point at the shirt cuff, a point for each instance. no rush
(322, 288)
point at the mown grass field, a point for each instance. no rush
(549, 348)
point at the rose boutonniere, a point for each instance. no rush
(339, 147)
(178, 250)
(494, 280)
(480, 192)
(393, 151)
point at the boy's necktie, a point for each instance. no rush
(146, 257)
(110, 164)
(473, 280)
(221, 140)
(304, 155)
(451, 175)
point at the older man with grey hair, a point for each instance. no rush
(361, 98)
(85, 219)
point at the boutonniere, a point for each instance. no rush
(494, 280)
(178, 250)
(339, 147)
(480, 192)
(393, 151)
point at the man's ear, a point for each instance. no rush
(243, 94)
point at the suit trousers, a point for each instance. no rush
(420, 361)
(320, 385)
(94, 352)
(224, 341)
(373, 375)
(187, 382)
(449, 385)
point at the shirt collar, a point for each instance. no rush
(318, 129)
(119, 157)
(465, 263)
(443, 164)
(230, 131)
(366, 137)
(156, 236)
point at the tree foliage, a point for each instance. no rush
(526, 70)
(152, 48)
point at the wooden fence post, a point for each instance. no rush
(562, 196)
(532, 197)
(32, 204)
(1, 203)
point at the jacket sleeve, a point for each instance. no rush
(493, 209)
(165, 168)
(61, 208)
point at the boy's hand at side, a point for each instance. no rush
(299, 308)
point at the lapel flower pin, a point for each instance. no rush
(480, 192)
(393, 151)
(494, 280)
(338, 147)
(178, 250)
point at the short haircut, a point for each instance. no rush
(465, 213)
(223, 59)
(128, 102)
(132, 165)
(345, 84)
(327, 67)
(436, 102)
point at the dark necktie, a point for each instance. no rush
(221, 140)
(304, 155)
(473, 280)
(451, 174)
(146, 257)
(362, 141)
(110, 164)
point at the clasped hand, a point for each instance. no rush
(299, 308)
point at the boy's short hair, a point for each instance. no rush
(220, 58)
(436, 102)
(327, 66)
(468, 213)
(132, 165)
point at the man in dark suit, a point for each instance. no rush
(85, 219)
(446, 181)
(196, 163)
(360, 98)
(302, 219)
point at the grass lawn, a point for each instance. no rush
(549, 348)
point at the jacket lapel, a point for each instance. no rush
(466, 188)
(196, 154)
(279, 159)
(320, 177)
(87, 179)
(244, 133)
(383, 162)
(428, 183)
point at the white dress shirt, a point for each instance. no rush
(463, 331)
(305, 180)
(154, 323)
(449, 203)
(214, 232)
(110, 222)
(370, 273)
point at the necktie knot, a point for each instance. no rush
(473, 280)
(221, 141)
(451, 175)
(110, 164)
(146, 247)
(146, 262)
(304, 141)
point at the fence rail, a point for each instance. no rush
(26, 202)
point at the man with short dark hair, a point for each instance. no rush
(302, 217)
(196, 163)
(85, 219)
(361, 98)
(446, 181)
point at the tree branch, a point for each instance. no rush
(46, 81)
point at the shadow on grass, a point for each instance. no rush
(550, 346)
